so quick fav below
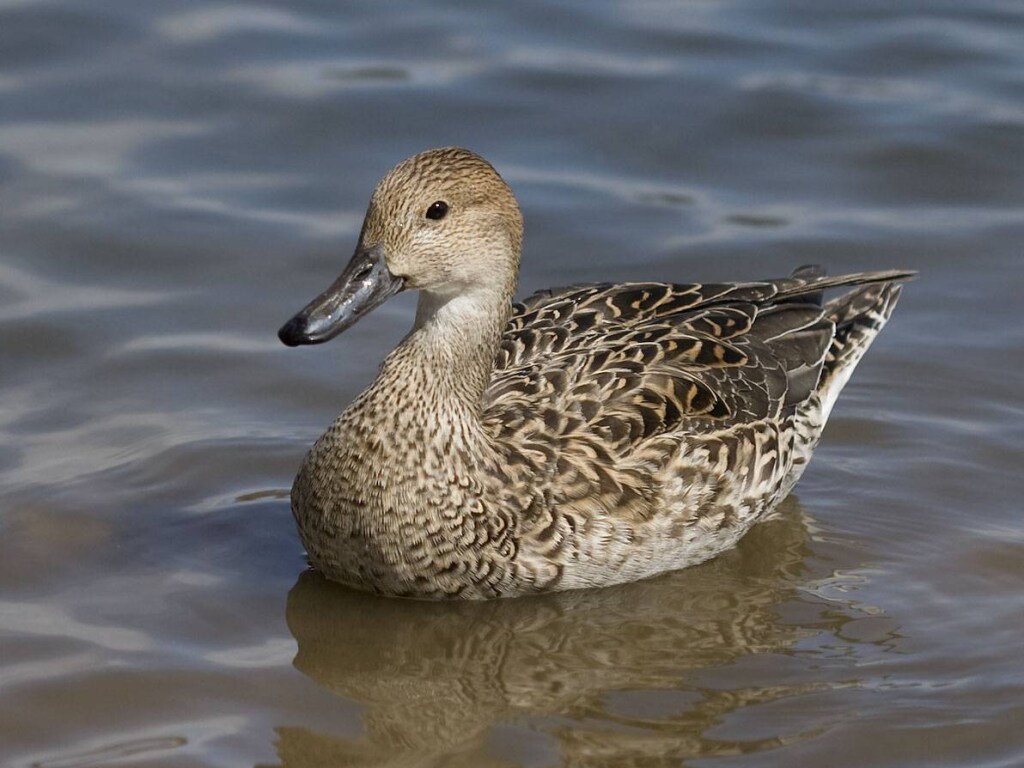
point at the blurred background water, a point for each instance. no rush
(177, 178)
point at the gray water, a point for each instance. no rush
(177, 178)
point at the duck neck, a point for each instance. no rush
(453, 345)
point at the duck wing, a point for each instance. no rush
(619, 364)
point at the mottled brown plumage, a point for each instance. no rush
(588, 436)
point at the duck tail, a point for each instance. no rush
(859, 316)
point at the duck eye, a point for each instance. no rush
(437, 210)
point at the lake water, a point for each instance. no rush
(179, 177)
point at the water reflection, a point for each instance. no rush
(618, 676)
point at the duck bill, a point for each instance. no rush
(365, 284)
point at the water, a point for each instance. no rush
(178, 178)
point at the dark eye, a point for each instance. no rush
(437, 210)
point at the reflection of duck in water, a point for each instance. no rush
(591, 436)
(434, 678)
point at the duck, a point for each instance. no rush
(585, 436)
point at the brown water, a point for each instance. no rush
(177, 178)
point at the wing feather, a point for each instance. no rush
(604, 370)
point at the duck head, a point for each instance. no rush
(442, 222)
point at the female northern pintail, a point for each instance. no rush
(587, 436)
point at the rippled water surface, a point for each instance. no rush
(179, 177)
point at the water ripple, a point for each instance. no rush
(216, 22)
(50, 621)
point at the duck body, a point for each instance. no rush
(588, 436)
